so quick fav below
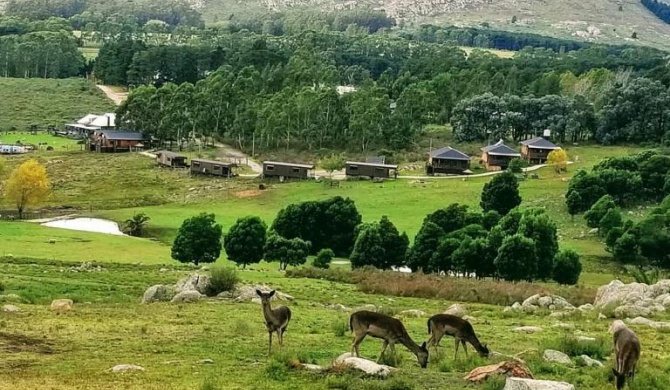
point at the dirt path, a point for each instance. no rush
(232, 152)
(116, 97)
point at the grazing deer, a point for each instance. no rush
(456, 327)
(627, 349)
(391, 330)
(276, 320)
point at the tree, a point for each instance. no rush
(135, 226)
(574, 202)
(332, 163)
(515, 165)
(627, 249)
(450, 219)
(323, 258)
(426, 243)
(441, 260)
(612, 219)
(472, 256)
(368, 248)
(490, 219)
(598, 211)
(198, 240)
(501, 193)
(245, 241)
(287, 252)
(567, 267)
(27, 185)
(542, 230)
(395, 245)
(516, 259)
(558, 158)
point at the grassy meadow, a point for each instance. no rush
(48, 102)
(109, 326)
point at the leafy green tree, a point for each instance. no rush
(395, 244)
(516, 165)
(441, 260)
(612, 219)
(473, 256)
(245, 241)
(542, 230)
(501, 193)
(490, 219)
(135, 226)
(324, 258)
(287, 252)
(516, 259)
(627, 249)
(567, 267)
(598, 211)
(332, 163)
(653, 173)
(574, 202)
(198, 240)
(451, 218)
(590, 188)
(426, 243)
(368, 248)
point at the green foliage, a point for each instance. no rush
(450, 219)
(287, 252)
(653, 173)
(641, 275)
(42, 54)
(626, 249)
(340, 328)
(574, 203)
(135, 225)
(515, 165)
(329, 223)
(516, 259)
(473, 256)
(543, 232)
(198, 240)
(598, 211)
(332, 163)
(323, 258)
(501, 194)
(245, 241)
(369, 248)
(567, 267)
(599, 349)
(612, 219)
(426, 242)
(222, 279)
(490, 219)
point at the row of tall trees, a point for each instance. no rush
(659, 8)
(45, 54)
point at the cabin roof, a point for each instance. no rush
(500, 149)
(366, 164)
(539, 143)
(200, 160)
(123, 135)
(170, 154)
(449, 153)
(288, 164)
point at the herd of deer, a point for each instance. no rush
(391, 331)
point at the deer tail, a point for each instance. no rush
(429, 330)
(620, 379)
(351, 322)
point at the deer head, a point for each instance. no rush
(265, 297)
(484, 352)
(422, 355)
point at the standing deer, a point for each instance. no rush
(391, 330)
(456, 327)
(627, 349)
(276, 320)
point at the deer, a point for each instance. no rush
(276, 320)
(461, 330)
(391, 330)
(627, 349)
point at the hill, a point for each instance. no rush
(48, 102)
(603, 21)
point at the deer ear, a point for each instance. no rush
(259, 293)
(423, 345)
(271, 293)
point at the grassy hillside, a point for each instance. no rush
(48, 102)
(592, 20)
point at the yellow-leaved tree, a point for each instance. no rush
(27, 185)
(559, 160)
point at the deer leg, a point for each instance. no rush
(465, 348)
(280, 338)
(381, 355)
(354, 345)
(457, 342)
(269, 342)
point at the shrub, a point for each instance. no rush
(515, 165)
(323, 258)
(567, 267)
(340, 328)
(571, 346)
(598, 211)
(222, 279)
(501, 193)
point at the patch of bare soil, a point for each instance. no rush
(15, 343)
(247, 193)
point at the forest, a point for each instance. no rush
(659, 8)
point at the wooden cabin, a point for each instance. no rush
(371, 170)
(536, 150)
(496, 157)
(110, 141)
(447, 160)
(212, 168)
(166, 158)
(286, 170)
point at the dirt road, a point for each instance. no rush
(116, 97)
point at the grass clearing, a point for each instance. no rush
(45, 102)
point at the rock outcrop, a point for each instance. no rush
(620, 300)
(193, 282)
(553, 356)
(548, 302)
(187, 297)
(532, 384)
(157, 293)
(367, 366)
(456, 310)
(62, 305)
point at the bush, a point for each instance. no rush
(567, 267)
(222, 279)
(323, 258)
(340, 328)
(515, 165)
(571, 346)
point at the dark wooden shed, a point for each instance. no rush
(536, 150)
(170, 159)
(286, 169)
(372, 170)
(212, 168)
(447, 160)
(115, 141)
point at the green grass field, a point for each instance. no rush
(108, 326)
(48, 102)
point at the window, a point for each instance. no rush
(269, 167)
(296, 170)
(196, 164)
(353, 167)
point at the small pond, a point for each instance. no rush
(93, 225)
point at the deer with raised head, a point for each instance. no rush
(461, 330)
(627, 350)
(276, 320)
(391, 330)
